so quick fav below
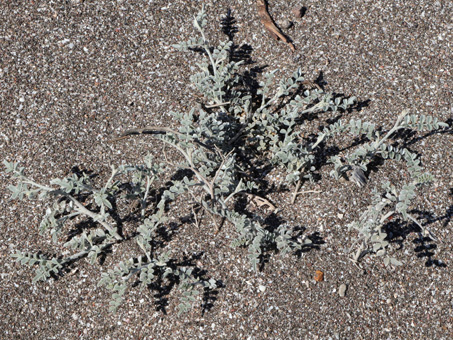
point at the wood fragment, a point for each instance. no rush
(261, 201)
(146, 130)
(156, 130)
(311, 84)
(217, 105)
(269, 24)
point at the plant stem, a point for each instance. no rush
(395, 128)
(95, 217)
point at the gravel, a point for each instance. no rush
(74, 74)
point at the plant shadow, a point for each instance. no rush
(165, 284)
(398, 231)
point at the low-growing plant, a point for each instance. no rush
(76, 196)
(371, 223)
(221, 146)
(377, 147)
(386, 204)
(268, 123)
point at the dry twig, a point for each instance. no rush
(146, 130)
(269, 24)
(260, 201)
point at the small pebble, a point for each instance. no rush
(319, 276)
(342, 290)
(284, 23)
(298, 11)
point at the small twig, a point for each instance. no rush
(164, 152)
(147, 129)
(155, 130)
(197, 222)
(269, 24)
(296, 192)
(217, 105)
(260, 201)
(312, 84)
(308, 191)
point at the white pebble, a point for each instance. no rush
(342, 290)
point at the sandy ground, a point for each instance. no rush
(74, 74)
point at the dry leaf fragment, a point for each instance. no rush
(319, 276)
(269, 24)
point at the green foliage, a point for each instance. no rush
(221, 146)
(385, 206)
(67, 195)
(376, 145)
(47, 267)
